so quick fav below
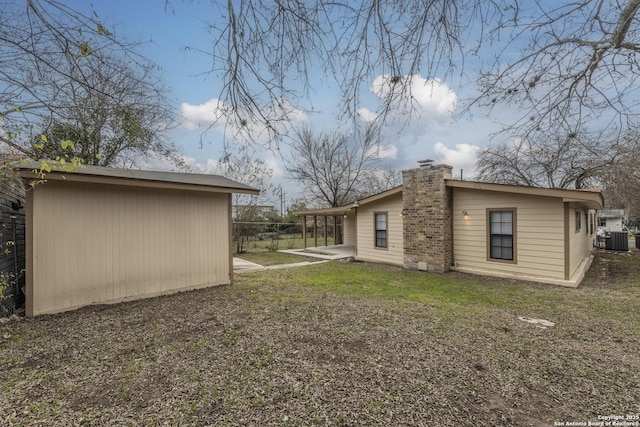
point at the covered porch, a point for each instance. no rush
(338, 223)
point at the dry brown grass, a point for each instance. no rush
(335, 344)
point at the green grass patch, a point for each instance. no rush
(367, 280)
(285, 242)
(381, 281)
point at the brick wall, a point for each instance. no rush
(426, 210)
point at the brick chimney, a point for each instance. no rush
(427, 222)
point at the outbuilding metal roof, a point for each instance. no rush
(143, 178)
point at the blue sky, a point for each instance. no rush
(175, 29)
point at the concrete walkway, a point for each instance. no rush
(243, 266)
(330, 253)
(325, 253)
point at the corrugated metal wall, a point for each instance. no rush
(12, 244)
(617, 241)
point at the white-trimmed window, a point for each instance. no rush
(501, 227)
(380, 224)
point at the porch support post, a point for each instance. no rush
(326, 242)
(315, 231)
(304, 231)
(355, 234)
(335, 230)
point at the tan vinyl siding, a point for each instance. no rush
(539, 249)
(580, 243)
(366, 250)
(101, 243)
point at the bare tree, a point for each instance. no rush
(377, 180)
(121, 129)
(576, 70)
(569, 162)
(570, 67)
(621, 180)
(239, 164)
(553, 162)
(60, 67)
(266, 52)
(333, 166)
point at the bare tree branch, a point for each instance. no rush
(578, 73)
(554, 162)
(267, 51)
(58, 66)
(335, 168)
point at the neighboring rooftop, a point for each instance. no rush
(611, 213)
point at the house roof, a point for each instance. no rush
(341, 210)
(140, 178)
(590, 198)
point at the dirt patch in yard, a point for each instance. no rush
(278, 348)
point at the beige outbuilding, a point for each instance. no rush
(104, 235)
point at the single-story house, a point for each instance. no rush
(435, 223)
(104, 235)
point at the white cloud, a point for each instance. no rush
(275, 164)
(384, 151)
(210, 166)
(189, 164)
(464, 157)
(367, 115)
(433, 97)
(213, 114)
(200, 116)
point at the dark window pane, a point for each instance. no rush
(496, 252)
(501, 235)
(380, 221)
(507, 254)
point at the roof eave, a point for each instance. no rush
(341, 210)
(78, 176)
(589, 198)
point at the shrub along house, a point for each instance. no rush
(434, 223)
(100, 235)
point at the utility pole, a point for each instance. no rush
(282, 202)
